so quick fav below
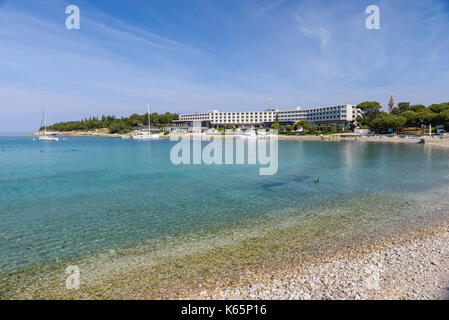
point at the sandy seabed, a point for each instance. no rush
(357, 254)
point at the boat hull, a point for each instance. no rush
(147, 137)
(47, 138)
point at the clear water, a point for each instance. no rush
(80, 196)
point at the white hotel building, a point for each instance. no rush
(341, 117)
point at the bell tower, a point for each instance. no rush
(391, 104)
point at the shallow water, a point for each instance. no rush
(83, 196)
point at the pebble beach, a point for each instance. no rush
(417, 269)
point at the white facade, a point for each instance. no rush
(217, 117)
(346, 113)
(343, 113)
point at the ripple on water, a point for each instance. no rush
(150, 266)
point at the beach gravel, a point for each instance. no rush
(416, 270)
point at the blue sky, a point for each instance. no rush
(195, 55)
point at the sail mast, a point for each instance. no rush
(45, 120)
(149, 120)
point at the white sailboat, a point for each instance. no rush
(46, 137)
(250, 134)
(261, 133)
(147, 135)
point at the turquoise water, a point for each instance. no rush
(80, 196)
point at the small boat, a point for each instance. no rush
(261, 134)
(251, 134)
(46, 136)
(147, 135)
(271, 135)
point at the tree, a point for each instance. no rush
(426, 116)
(435, 114)
(154, 117)
(302, 124)
(326, 129)
(412, 118)
(230, 127)
(387, 121)
(115, 127)
(443, 118)
(437, 108)
(106, 121)
(370, 110)
(395, 111)
(397, 122)
(418, 108)
(290, 127)
(404, 106)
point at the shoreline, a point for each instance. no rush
(443, 143)
(410, 266)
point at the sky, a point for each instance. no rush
(196, 55)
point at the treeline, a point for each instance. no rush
(114, 124)
(404, 116)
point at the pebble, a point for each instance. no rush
(417, 270)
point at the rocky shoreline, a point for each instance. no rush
(337, 137)
(415, 269)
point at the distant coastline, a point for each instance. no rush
(444, 143)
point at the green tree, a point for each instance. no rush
(370, 110)
(106, 121)
(404, 106)
(443, 118)
(412, 118)
(387, 121)
(115, 127)
(437, 108)
(314, 128)
(302, 124)
(427, 117)
(396, 111)
(418, 108)
(275, 125)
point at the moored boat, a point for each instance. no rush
(147, 135)
(46, 136)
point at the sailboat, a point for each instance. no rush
(251, 134)
(147, 135)
(46, 137)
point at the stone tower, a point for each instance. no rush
(391, 104)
